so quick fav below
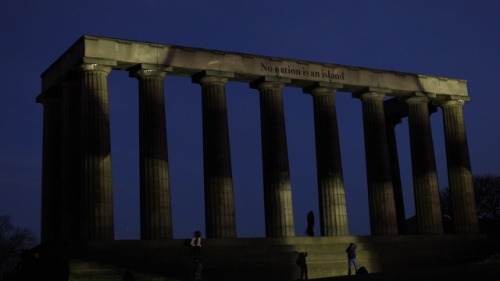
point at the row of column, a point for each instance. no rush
(77, 202)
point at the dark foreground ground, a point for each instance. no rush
(479, 272)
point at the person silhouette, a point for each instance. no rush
(301, 262)
(351, 258)
(310, 223)
(196, 244)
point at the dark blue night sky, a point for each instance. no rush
(457, 39)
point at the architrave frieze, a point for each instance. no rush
(186, 61)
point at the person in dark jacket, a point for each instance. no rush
(351, 258)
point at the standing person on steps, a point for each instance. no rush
(301, 262)
(310, 223)
(351, 257)
(196, 244)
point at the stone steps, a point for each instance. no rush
(267, 258)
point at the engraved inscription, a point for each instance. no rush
(287, 70)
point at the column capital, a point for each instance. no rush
(445, 100)
(371, 92)
(143, 70)
(269, 82)
(417, 98)
(210, 76)
(322, 88)
(94, 67)
(368, 95)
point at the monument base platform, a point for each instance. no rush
(252, 258)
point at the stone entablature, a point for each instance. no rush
(187, 61)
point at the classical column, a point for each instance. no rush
(425, 182)
(51, 167)
(332, 205)
(394, 111)
(277, 187)
(220, 217)
(70, 160)
(459, 168)
(155, 204)
(380, 190)
(95, 208)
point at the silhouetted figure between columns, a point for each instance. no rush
(331, 194)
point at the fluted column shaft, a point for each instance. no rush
(332, 204)
(51, 168)
(155, 201)
(380, 190)
(425, 182)
(277, 187)
(220, 216)
(95, 192)
(459, 168)
(70, 160)
(395, 173)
